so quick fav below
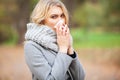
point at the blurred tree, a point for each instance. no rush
(114, 18)
(21, 18)
(16, 13)
(71, 6)
(111, 17)
(7, 33)
(89, 14)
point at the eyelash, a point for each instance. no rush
(62, 15)
(55, 16)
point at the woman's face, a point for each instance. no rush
(55, 14)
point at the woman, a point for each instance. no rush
(48, 48)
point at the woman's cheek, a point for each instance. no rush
(54, 23)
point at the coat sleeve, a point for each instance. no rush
(41, 68)
(77, 70)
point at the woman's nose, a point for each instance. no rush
(62, 20)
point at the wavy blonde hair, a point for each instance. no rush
(40, 11)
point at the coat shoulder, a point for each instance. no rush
(28, 44)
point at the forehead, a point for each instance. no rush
(55, 10)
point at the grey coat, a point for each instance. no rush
(46, 64)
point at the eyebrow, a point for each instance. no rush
(57, 14)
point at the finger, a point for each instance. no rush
(59, 30)
(63, 30)
(67, 31)
(66, 26)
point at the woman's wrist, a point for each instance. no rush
(63, 49)
(70, 51)
(73, 55)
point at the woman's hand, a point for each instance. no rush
(63, 37)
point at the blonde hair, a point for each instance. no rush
(40, 11)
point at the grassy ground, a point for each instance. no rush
(95, 39)
(102, 46)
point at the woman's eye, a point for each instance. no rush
(62, 15)
(54, 16)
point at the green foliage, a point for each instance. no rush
(33, 4)
(8, 35)
(80, 16)
(114, 21)
(88, 14)
(2, 11)
(114, 6)
(111, 12)
(103, 14)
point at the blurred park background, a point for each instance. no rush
(95, 27)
